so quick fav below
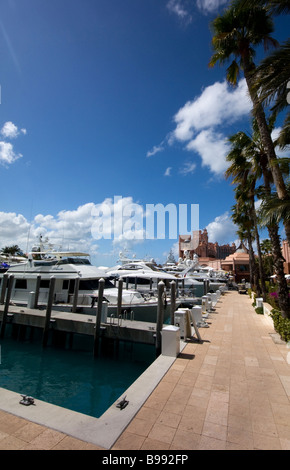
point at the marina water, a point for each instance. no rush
(72, 378)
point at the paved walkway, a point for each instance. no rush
(230, 392)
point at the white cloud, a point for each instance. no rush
(210, 6)
(280, 152)
(222, 229)
(198, 123)
(177, 7)
(11, 131)
(7, 154)
(168, 171)
(74, 229)
(188, 168)
(156, 149)
(212, 149)
(216, 105)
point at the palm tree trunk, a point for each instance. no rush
(254, 276)
(260, 261)
(266, 138)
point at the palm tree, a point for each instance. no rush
(245, 175)
(276, 7)
(236, 33)
(241, 217)
(266, 248)
(272, 77)
(247, 155)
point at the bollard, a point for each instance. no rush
(204, 303)
(98, 316)
(170, 341)
(173, 301)
(48, 311)
(5, 312)
(160, 316)
(31, 300)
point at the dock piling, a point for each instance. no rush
(7, 301)
(37, 287)
(76, 293)
(48, 311)
(3, 288)
(98, 316)
(160, 316)
(172, 301)
(119, 305)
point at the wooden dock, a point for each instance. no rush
(76, 323)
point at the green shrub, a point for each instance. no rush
(281, 325)
(254, 303)
(259, 310)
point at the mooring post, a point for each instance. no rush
(119, 305)
(172, 301)
(160, 316)
(5, 312)
(98, 316)
(3, 288)
(76, 294)
(48, 311)
(37, 287)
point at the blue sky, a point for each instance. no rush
(103, 99)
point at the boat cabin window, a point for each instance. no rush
(76, 260)
(21, 284)
(45, 262)
(129, 266)
(44, 283)
(93, 284)
(139, 280)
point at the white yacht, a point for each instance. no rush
(66, 267)
(192, 272)
(144, 276)
(141, 272)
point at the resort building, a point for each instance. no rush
(210, 254)
(286, 254)
(238, 264)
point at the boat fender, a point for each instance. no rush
(123, 403)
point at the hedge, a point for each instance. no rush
(281, 325)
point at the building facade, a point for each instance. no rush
(198, 243)
(286, 255)
(238, 264)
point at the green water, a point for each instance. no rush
(72, 378)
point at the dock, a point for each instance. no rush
(70, 323)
